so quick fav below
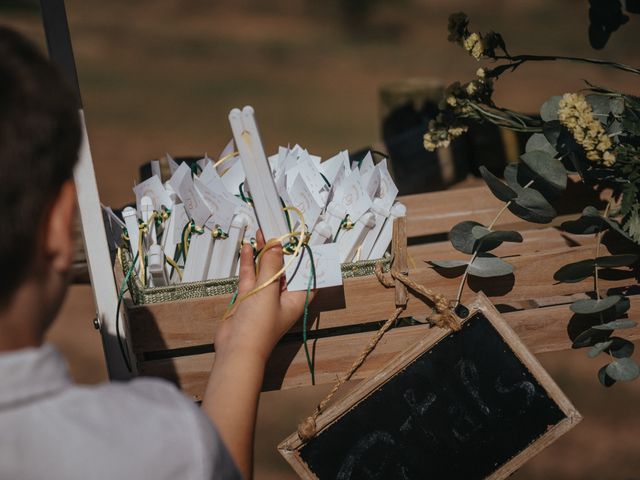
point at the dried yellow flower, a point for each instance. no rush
(608, 159)
(451, 100)
(473, 45)
(457, 131)
(470, 41)
(435, 139)
(480, 73)
(575, 113)
(477, 51)
(471, 88)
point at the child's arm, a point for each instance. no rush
(243, 345)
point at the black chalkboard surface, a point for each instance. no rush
(471, 404)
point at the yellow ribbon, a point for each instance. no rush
(301, 237)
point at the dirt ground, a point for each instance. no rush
(161, 76)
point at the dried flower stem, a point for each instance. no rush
(518, 60)
(475, 254)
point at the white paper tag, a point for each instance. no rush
(366, 164)
(291, 175)
(228, 149)
(211, 179)
(203, 162)
(152, 187)
(327, 268)
(281, 187)
(290, 160)
(371, 182)
(276, 161)
(332, 166)
(182, 184)
(173, 165)
(155, 169)
(221, 210)
(387, 191)
(311, 176)
(353, 197)
(315, 159)
(303, 199)
(233, 177)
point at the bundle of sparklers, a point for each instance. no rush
(191, 227)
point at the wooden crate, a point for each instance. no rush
(174, 339)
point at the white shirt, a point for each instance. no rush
(143, 429)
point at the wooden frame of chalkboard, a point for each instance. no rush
(519, 430)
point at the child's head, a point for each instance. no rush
(39, 140)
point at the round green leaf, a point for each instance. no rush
(549, 109)
(623, 370)
(590, 211)
(486, 265)
(582, 225)
(543, 167)
(530, 205)
(605, 379)
(538, 141)
(590, 337)
(461, 237)
(600, 106)
(575, 272)
(552, 132)
(598, 348)
(591, 306)
(616, 324)
(449, 263)
(621, 347)
(484, 240)
(622, 306)
(622, 260)
(483, 233)
(616, 105)
(497, 187)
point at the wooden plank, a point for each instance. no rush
(541, 329)
(436, 212)
(432, 214)
(166, 325)
(534, 241)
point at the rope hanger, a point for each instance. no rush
(442, 316)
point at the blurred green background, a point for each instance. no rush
(160, 76)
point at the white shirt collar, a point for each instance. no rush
(31, 373)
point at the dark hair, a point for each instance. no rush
(39, 139)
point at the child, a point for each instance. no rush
(49, 427)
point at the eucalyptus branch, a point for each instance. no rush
(598, 243)
(475, 253)
(518, 60)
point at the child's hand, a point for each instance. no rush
(260, 320)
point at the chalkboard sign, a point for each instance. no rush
(465, 405)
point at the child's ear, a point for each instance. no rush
(60, 238)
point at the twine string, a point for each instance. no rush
(443, 316)
(296, 242)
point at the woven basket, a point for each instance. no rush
(182, 291)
